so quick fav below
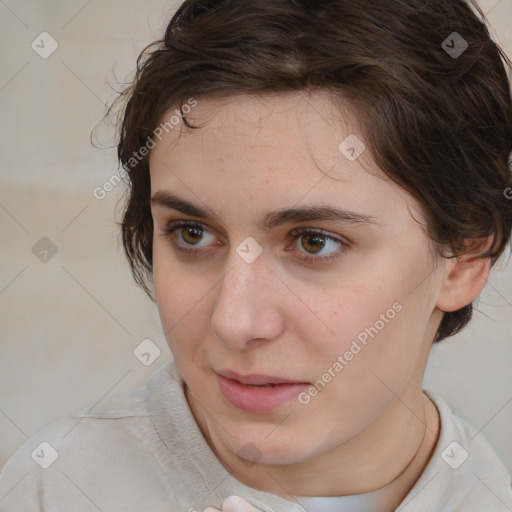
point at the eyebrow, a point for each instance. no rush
(269, 219)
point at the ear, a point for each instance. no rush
(465, 277)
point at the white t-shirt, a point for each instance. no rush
(142, 451)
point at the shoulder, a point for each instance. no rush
(464, 472)
(107, 444)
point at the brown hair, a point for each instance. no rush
(436, 116)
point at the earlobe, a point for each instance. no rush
(465, 277)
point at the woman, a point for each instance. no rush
(318, 191)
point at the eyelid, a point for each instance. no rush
(323, 232)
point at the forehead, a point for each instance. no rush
(273, 121)
(288, 148)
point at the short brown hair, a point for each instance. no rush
(436, 115)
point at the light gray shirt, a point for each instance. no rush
(142, 451)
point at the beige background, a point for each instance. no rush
(69, 326)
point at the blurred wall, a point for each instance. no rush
(71, 315)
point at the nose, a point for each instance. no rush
(247, 309)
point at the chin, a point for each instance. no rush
(269, 450)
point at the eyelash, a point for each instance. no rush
(170, 234)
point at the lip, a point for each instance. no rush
(263, 400)
(257, 380)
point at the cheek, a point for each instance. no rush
(374, 329)
(353, 310)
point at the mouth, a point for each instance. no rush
(258, 394)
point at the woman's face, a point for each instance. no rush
(265, 281)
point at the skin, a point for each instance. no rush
(283, 316)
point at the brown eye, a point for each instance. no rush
(192, 235)
(313, 243)
(314, 246)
